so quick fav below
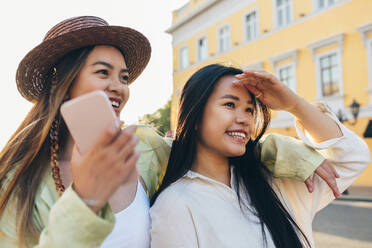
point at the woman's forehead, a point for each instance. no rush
(226, 86)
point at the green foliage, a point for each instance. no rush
(160, 119)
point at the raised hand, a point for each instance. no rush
(268, 89)
(277, 96)
(99, 173)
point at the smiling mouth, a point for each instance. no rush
(241, 135)
(115, 102)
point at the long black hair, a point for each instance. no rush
(248, 169)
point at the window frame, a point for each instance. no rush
(369, 66)
(206, 48)
(319, 89)
(251, 11)
(293, 66)
(326, 4)
(275, 13)
(181, 66)
(218, 38)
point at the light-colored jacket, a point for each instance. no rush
(67, 222)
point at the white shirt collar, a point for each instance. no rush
(193, 175)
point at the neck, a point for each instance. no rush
(212, 164)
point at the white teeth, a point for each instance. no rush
(115, 104)
(237, 134)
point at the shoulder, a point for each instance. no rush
(148, 135)
(173, 198)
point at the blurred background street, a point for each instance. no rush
(346, 223)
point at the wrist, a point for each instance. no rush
(95, 205)
(299, 107)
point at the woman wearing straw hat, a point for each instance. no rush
(50, 195)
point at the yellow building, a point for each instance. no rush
(322, 49)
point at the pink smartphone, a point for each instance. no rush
(87, 117)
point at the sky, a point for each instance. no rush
(23, 25)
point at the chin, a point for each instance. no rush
(236, 152)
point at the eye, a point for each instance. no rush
(103, 72)
(229, 104)
(124, 79)
(250, 110)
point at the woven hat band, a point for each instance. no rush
(74, 24)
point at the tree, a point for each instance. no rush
(160, 119)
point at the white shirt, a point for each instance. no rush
(197, 211)
(132, 225)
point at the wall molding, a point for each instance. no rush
(223, 9)
(283, 56)
(365, 30)
(330, 40)
(256, 65)
(198, 10)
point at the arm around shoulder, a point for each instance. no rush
(154, 154)
(287, 157)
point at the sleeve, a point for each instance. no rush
(172, 224)
(71, 223)
(154, 154)
(288, 157)
(349, 155)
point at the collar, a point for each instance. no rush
(195, 175)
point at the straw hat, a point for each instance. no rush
(72, 34)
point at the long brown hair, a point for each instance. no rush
(26, 154)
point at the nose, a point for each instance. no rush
(242, 118)
(115, 86)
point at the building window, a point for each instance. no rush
(286, 72)
(365, 32)
(287, 76)
(369, 59)
(250, 25)
(202, 49)
(283, 12)
(330, 74)
(325, 3)
(328, 69)
(370, 52)
(184, 57)
(224, 38)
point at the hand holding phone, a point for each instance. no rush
(106, 155)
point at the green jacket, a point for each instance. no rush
(67, 222)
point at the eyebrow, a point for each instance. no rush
(235, 98)
(109, 66)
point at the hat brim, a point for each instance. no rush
(36, 65)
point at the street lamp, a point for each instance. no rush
(355, 107)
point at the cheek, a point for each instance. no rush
(126, 95)
(85, 85)
(215, 122)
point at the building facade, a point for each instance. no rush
(322, 49)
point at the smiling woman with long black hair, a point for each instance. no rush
(216, 193)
